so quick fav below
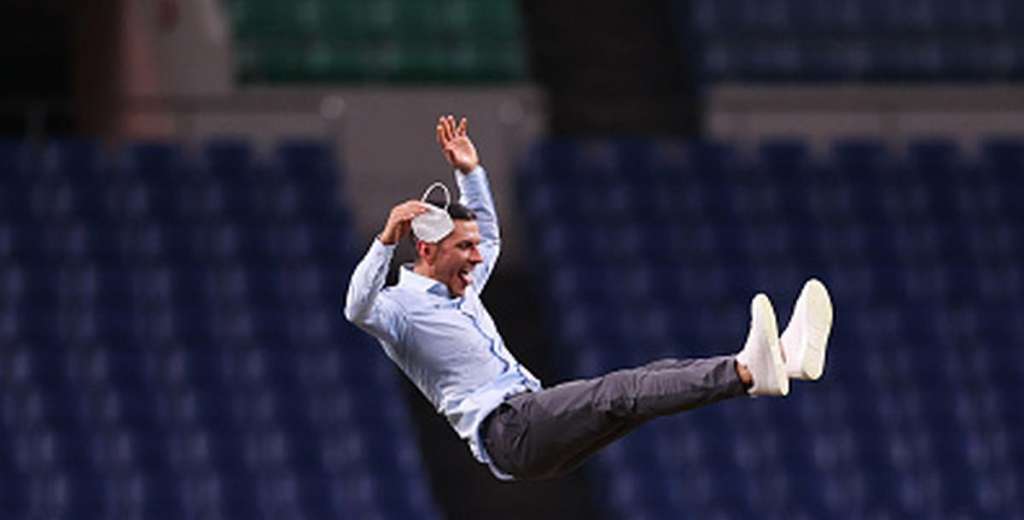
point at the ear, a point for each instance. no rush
(425, 251)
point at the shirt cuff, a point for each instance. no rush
(474, 181)
(479, 169)
(382, 249)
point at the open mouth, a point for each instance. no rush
(465, 276)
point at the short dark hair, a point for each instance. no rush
(456, 210)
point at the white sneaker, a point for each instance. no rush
(762, 353)
(806, 337)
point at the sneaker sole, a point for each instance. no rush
(762, 308)
(817, 327)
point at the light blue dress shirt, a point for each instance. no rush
(449, 347)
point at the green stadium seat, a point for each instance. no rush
(261, 19)
(424, 20)
(373, 20)
(419, 41)
(278, 62)
(496, 21)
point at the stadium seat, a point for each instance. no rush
(157, 161)
(852, 40)
(228, 157)
(382, 40)
(1004, 154)
(18, 160)
(81, 161)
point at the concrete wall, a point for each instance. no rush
(164, 50)
(192, 46)
(821, 114)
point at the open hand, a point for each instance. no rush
(456, 145)
(400, 221)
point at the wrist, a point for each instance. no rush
(468, 169)
(387, 238)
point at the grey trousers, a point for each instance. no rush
(546, 434)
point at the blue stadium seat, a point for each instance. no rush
(934, 153)
(18, 160)
(50, 199)
(229, 157)
(192, 201)
(1004, 155)
(914, 16)
(288, 240)
(974, 59)
(829, 17)
(308, 162)
(156, 161)
(968, 17)
(852, 40)
(784, 156)
(712, 17)
(81, 161)
(275, 201)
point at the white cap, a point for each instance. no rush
(435, 224)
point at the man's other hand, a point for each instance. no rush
(400, 221)
(456, 145)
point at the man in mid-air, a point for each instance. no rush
(433, 325)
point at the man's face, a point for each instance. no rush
(451, 260)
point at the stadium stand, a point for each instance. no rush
(854, 40)
(378, 40)
(471, 41)
(652, 249)
(172, 345)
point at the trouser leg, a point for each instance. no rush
(548, 433)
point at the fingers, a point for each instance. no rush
(447, 129)
(442, 135)
(413, 209)
(400, 221)
(408, 210)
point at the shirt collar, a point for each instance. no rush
(417, 282)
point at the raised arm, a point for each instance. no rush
(363, 307)
(475, 191)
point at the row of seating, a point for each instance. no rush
(181, 364)
(78, 241)
(223, 319)
(863, 156)
(379, 40)
(379, 18)
(210, 495)
(853, 40)
(857, 17)
(299, 161)
(159, 283)
(353, 62)
(861, 59)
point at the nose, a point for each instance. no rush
(475, 256)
